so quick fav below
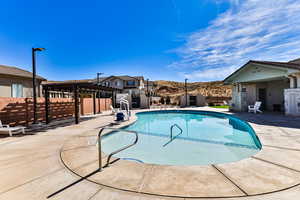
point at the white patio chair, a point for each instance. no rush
(255, 108)
(11, 130)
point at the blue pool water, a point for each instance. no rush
(207, 138)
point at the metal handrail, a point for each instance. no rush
(171, 130)
(114, 152)
(171, 133)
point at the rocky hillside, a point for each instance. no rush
(208, 89)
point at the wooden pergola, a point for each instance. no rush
(75, 87)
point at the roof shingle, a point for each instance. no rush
(14, 71)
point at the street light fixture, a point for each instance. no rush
(34, 82)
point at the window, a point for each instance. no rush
(16, 90)
(130, 83)
(244, 90)
(106, 83)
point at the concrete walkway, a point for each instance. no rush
(31, 166)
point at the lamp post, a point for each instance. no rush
(148, 93)
(34, 83)
(185, 85)
(98, 78)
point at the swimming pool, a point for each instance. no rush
(206, 138)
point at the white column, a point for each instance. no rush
(292, 82)
(298, 80)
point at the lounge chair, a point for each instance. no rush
(255, 108)
(11, 130)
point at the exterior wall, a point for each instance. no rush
(236, 102)
(292, 101)
(117, 83)
(258, 73)
(183, 101)
(200, 100)
(141, 84)
(136, 90)
(275, 93)
(247, 94)
(144, 101)
(122, 84)
(6, 86)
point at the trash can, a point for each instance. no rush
(120, 116)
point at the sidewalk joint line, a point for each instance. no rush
(221, 172)
(286, 148)
(15, 187)
(279, 165)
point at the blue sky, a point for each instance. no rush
(160, 39)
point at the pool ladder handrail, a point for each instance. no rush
(114, 152)
(171, 130)
(171, 133)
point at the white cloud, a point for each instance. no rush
(210, 74)
(250, 29)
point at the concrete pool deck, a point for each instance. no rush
(33, 167)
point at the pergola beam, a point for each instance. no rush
(76, 87)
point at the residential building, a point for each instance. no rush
(16, 82)
(275, 84)
(134, 86)
(131, 87)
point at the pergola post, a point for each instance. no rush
(105, 101)
(76, 96)
(94, 103)
(47, 105)
(113, 99)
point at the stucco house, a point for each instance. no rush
(16, 82)
(275, 84)
(134, 86)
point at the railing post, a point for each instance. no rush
(117, 151)
(99, 150)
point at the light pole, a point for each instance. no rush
(98, 78)
(34, 83)
(185, 85)
(148, 93)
